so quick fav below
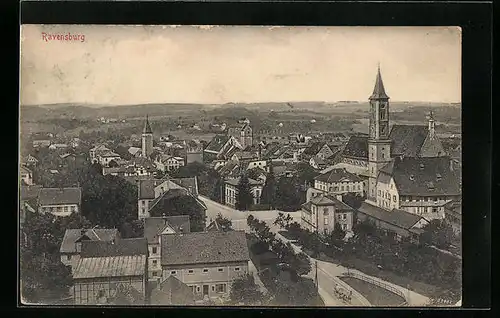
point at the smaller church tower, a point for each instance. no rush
(379, 144)
(432, 131)
(147, 139)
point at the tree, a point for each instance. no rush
(283, 221)
(225, 223)
(245, 290)
(218, 191)
(113, 164)
(438, 233)
(132, 228)
(337, 236)
(268, 195)
(287, 196)
(352, 200)
(244, 197)
(207, 177)
(306, 173)
(43, 276)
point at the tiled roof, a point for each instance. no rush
(54, 196)
(314, 148)
(71, 236)
(338, 175)
(235, 181)
(24, 170)
(454, 206)
(111, 266)
(428, 176)
(134, 150)
(172, 292)
(329, 200)
(29, 192)
(399, 218)
(357, 147)
(407, 139)
(156, 207)
(154, 225)
(379, 90)
(120, 247)
(204, 247)
(146, 187)
(217, 143)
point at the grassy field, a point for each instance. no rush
(376, 295)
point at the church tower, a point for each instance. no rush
(147, 139)
(379, 144)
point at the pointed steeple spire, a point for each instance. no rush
(147, 127)
(379, 90)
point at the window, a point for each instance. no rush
(434, 210)
(190, 271)
(193, 289)
(69, 257)
(65, 208)
(205, 270)
(198, 289)
(155, 249)
(359, 187)
(344, 227)
(341, 188)
(220, 288)
(325, 211)
(220, 269)
(154, 273)
(213, 288)
(173, 272)
(236, 269)
(326, 221)
(394, 198)
(155, 262)
(143, 203)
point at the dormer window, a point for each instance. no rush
(438, 177)
(422, 166)
(412, 177)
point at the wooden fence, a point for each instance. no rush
(379, 284)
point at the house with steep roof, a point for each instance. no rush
(396, 222)
(207, 262)
(154, 228)
(150, 190)
(71, 245)
(107, 267)
(323, 211)
(30, 161)
(222, 147)
(231, 190)
(317, 162)
(420, 186)
(96, 151)
(26, 176)
(60, 201)
(318, 149)
(243, 132)
(172, 292)
(135, 151)
(167, 163)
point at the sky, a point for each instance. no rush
(198, 64)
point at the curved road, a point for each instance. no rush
(327, 272)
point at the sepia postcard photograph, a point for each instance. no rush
(189, 165)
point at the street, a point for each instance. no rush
(327, 272)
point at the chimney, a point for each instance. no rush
(451, 164)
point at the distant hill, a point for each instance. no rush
(87, 111)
